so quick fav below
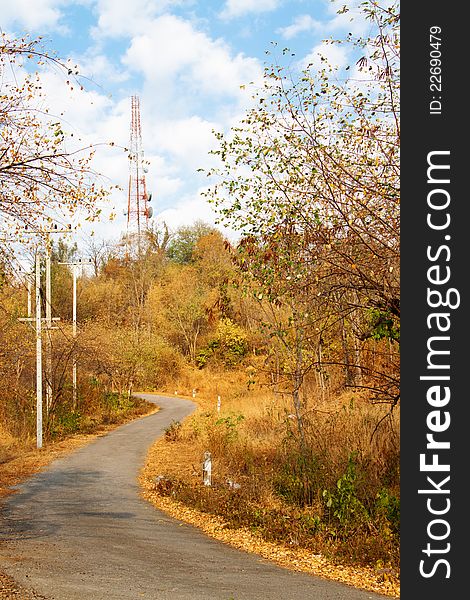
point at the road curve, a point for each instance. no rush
(80, 531)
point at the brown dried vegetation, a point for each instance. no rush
(267, 498)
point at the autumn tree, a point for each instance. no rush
(183, 242)
(98, 252)
(123, 360)
(310, 178)
(46, 175)
(177, 306)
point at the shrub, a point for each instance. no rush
(173, 431)
(388, 506)
(228, 346)
(299, 479)
(342, 503)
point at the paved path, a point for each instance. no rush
(79, 531)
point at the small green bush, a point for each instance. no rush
(388, 505)
(228, 346)
(298, 479)
(230, 426)
(342, 503)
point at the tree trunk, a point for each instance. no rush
(297, 384)
(319, 372)
(349, 372)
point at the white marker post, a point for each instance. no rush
(218, 404)
(207, 468)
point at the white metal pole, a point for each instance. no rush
(75, 266)
(74, 333)
(49, 327)
(38, 355)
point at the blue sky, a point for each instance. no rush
(186, 60)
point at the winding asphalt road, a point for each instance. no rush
(80, 531)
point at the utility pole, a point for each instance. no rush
(38, 354)
(79, 263)
(37, 319)
(38, 328)
(49, 377)
(48, 325)
(29, 282)
(74, 335)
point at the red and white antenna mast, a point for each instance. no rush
(138, 209)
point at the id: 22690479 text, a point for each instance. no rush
(435, 70)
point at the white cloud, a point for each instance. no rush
(171, 51)
(300, 24)
(162, 177)
(238, 8)
(115, 19)
(187, 139)
(99, 68)
(123, 18)
(193, 208)
(352, 20)
(324, 55)
(84, 111)
(190, 209)
(40, 14)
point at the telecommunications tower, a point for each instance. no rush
(138, 209)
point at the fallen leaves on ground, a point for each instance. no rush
(10, 590)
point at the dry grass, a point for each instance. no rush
(177, 460)
(377, 580)
(253, 442)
